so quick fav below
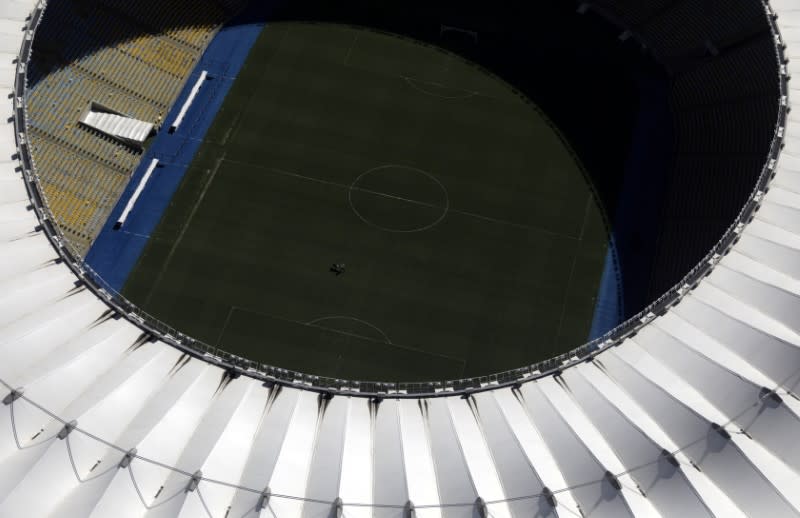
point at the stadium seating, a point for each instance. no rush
(125, 55)
(77, 188)
(184, 21)
(696, 415)
(724, 99)
(674, 28)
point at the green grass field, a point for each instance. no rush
(471, 241)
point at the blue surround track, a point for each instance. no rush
(608, 307)
(632, 247)
(115, 252)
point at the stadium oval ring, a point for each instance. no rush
(689, 410)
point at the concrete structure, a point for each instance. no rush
(696, 415)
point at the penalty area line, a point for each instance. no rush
(184, 227)
(389, 345)
(225, 325)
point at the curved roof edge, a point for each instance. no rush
(238, 365)
(694, 415)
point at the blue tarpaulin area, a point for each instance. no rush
(608, 308)
(636, 221)
(116, 251)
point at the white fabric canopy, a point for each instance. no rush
(680, 420)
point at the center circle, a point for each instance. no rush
(398, 198)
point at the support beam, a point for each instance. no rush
(12, 396)
(337, 507)
(263, 500)
(613, 480)
(127, 459)
(770, 397)
(721, 430)
(480, 506)
(68, 428)
(194, 481)
(549, 497)
(670, 458)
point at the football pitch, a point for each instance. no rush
(470, 238)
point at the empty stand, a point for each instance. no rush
(131, 56)
(697, 415)
(724, 97)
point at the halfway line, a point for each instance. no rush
(400, 198)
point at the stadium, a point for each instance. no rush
(182, 184)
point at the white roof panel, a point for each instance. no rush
(702, 364)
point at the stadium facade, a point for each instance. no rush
(691, 409)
